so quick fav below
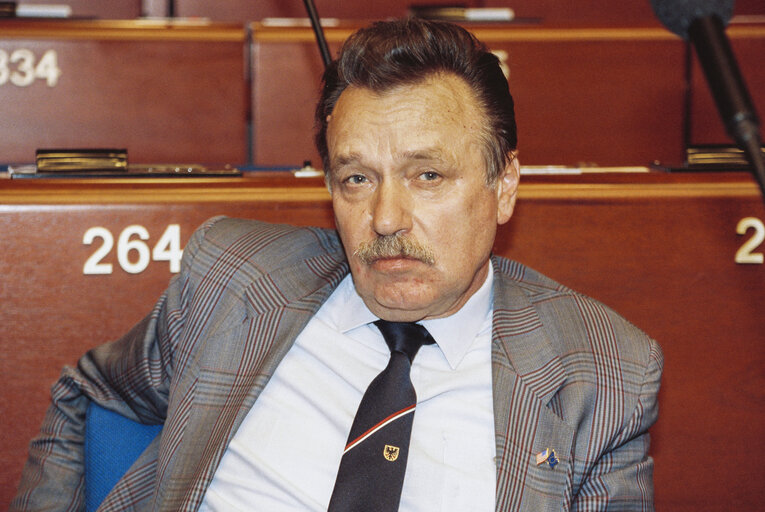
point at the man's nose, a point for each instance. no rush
(391, 212)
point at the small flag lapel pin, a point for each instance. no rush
(548, 456)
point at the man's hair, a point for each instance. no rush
(390, 54)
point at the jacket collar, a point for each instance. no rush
(520, 343)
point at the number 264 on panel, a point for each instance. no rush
(133, 252)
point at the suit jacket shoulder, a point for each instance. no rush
(242, 260)
(572, 320)
(258, 248)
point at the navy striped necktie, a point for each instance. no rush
(372, 469)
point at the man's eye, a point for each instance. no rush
(429, 176)
(356, 179)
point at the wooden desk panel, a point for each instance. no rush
(582, 95)
(590, 96)
(546, 11)
(748, 43)
(249, 10)
(104, 9)
(166, 93)
(597, 11)
(658, 248)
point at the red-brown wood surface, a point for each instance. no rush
(748, 44)
(658, 248)
(104, 9)
(582, 94)
(548, 11)
(243, 10)
(166, 93)
(182, 93)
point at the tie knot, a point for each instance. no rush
(404, 337)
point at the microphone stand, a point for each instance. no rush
(729, 90)
(320, 39)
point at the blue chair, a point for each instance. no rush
(112, 444)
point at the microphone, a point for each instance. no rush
(702, 22)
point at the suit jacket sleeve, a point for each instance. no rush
(622, 477)
(130, 376)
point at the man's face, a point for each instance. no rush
(411, 203)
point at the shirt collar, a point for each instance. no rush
(454, 334)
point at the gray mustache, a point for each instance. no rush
(393, 246)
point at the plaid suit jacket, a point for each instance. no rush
(568, 374)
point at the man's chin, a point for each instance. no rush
(400, 298)
(398, 310)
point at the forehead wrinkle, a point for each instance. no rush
(355, 159)
(433, 153)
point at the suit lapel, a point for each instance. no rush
(527, 373)
(241, 361)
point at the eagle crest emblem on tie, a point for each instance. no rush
(391, 452)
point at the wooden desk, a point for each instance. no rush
(658, 248)
(167, 93)
(582, 94)
(104, 9)
(546, 11)
(182, 92)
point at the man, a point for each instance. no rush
(259, 355)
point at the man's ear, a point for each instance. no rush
(507, 188)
